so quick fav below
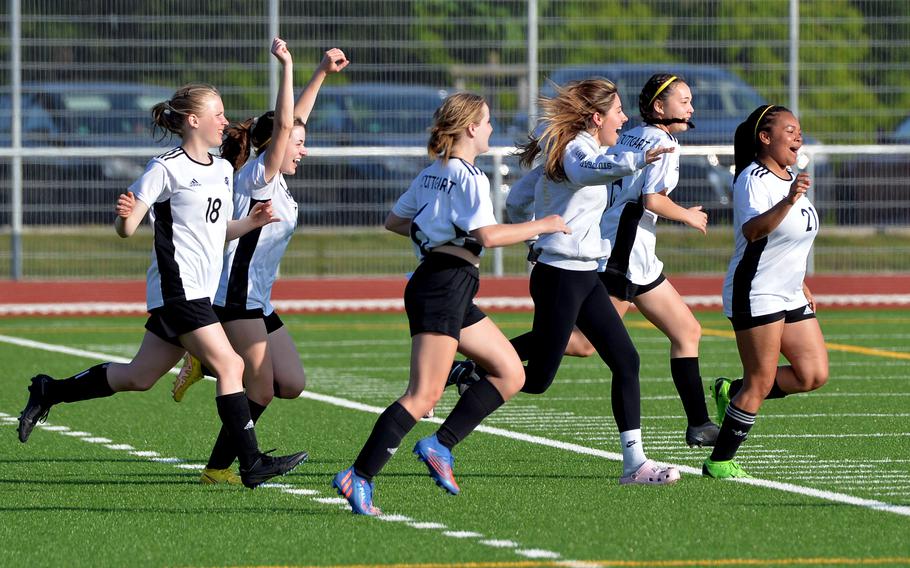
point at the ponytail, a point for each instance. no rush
(169, 116)
(745, 140)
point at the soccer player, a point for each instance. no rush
(765, 297)
(633, 274)
(448, 214)
(578, 124)
(272, 365)
(187, 193)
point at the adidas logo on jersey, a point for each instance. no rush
(808, 311)
(195, 183)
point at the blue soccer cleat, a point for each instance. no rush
(357, 490)
(439, 461)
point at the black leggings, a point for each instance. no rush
(562, 300)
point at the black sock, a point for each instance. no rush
(234, 410)
(90, 383)
(224, 452)
(524, 345)
(687, 379)
(776, 391)
(478, 402)
(733, 432)
(391, 427)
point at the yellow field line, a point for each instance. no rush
(831, 346)
(634, 563)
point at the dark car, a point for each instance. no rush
(345, 190)
(70, 189)
(721, 99)
(871, 189)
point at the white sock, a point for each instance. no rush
(633, 454)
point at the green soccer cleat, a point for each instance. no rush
(723, 469)
(189, 374)
(720, 392)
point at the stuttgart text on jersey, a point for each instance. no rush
(437, 183)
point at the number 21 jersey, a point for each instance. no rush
(766, 275)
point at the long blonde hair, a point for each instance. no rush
(566, 114)
(168, 116)
(450, 120)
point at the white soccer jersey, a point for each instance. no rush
(581, 200)
(445, 203)
(251, 262)
(189, 207)
(520, 201)
(766, 276)
(630, 230)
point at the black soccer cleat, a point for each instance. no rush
(265, 467)
(702, 436)
(37, 407)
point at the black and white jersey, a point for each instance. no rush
(189, 207)
(766, 276)
(628, 229)
(581, 200)
(251, 262)
(445, 203)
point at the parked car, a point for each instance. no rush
(361, 190)
(871, 189)
(72, 190)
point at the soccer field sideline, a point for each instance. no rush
(538, 440)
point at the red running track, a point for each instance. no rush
(76, 291)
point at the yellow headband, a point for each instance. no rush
(661, 89)
(761, 116)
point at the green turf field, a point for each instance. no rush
(114, 482)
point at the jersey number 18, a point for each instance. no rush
(213, 210)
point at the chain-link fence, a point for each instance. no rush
(78, 79)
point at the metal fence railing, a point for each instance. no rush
(861, 192)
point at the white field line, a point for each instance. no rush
(556, 444)
(313, 494)
(397, 304)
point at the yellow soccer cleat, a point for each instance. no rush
(218, 476)
(189, 374)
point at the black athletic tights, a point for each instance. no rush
(562, 300)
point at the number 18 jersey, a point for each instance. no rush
(766, 275)
(189, 207)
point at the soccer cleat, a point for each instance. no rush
(37, 407)
(265, 467)
(439, 461)
(218, 476)
(463, 374)
(704, 435)
(722, 469)
(720, 392)
(430, 413)
(651, 473)
(357, 490)
(190, 373)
